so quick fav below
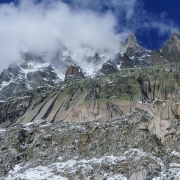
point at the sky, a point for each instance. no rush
(45, 25)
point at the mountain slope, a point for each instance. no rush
(122, 122)
(123, 148)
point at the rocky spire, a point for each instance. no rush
(171, 50)
(74, 71)
(132, 42)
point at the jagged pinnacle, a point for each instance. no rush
(132, 42)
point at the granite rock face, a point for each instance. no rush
(74, 72)
(154, 89)
(171, 50)
(157, 58)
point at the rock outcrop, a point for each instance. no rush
(157, 58)
(137, 56)
(109, 67)
(34, 72)
(126, 62)
(74, 72)
(120, 125)
(171, 50)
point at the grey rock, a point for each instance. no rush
(109, 67)
(143, 126)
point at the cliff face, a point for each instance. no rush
(171, 50)
(155, 90)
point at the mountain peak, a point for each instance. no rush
(132, 42)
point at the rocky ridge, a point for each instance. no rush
(33, 71)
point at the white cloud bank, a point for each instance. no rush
(46, 26)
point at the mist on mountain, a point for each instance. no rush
(47, 30)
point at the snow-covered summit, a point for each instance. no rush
(31, 73)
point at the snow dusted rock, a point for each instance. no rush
(33, 72)
(126, 62)
(140, 56)
(109, 67)
(140, 175)
(98, 177)
(115, 149)
(134, 56)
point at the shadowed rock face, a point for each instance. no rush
(157, 58)
(7, 74)
(145, 90)
(126, 61)
(171, 50)
(73, 72)
(109, 67)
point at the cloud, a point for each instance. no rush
(142, 21)
(131, 17)
(47, 26)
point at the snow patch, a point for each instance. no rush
(72, 166)
(2, 130)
